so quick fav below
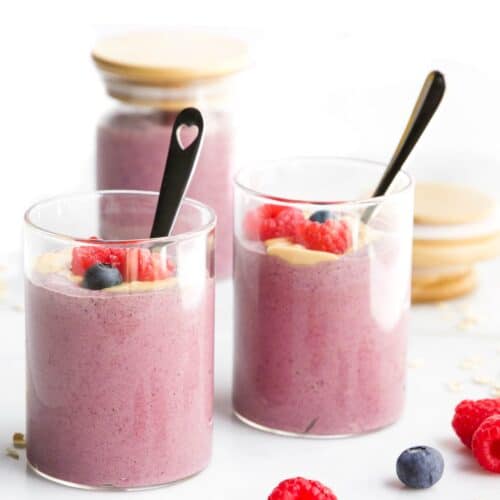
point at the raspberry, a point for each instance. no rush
(332, 236)
(134, 264)
(299, 488)
(486, 444)
(85, 257)
(118, 259)
(470, 414)
(272, 221)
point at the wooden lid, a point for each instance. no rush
(171, 58)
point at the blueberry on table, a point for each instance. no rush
(321, 216)
(420, 467)
(101, 276)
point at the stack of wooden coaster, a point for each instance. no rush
(455, 227)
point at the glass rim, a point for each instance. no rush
(203, 229)
(362, 202)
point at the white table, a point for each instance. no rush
(247, 464)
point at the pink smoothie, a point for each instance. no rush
(131, 153)
(321, 349)
(119, 385)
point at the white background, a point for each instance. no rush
(330, 77)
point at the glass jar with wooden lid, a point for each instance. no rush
(151, 77)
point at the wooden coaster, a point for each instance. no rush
(428, 276)
(437, 253)
(437, 203)
(444, 289)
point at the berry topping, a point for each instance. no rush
(272, 221)
(332, 236)
(299, 488)
(470, 414)
(101, 276)
(420, 467)
(134, 264)
(322, 216)
(85, 257)
(486, 444)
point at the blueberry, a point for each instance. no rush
(420, 467)
(322, 216)
(101, 276)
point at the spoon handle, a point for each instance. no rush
(428, 101)
(179, 169)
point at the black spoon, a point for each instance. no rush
(428, 101)
(179, 169)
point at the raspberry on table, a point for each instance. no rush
(299, 488)
(272, 221)
(470, 414)
(486, 444)
(332, 236)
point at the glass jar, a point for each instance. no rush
(152, 76)
(322, 297)
(119, 342)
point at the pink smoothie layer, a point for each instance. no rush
(119, 385)
(131, 153)
(320, 349)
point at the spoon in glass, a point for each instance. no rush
(428, 101)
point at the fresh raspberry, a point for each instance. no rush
(118, 259)
(143, 265)
(162, 268)
(486, 444)
(85, 257)
(134, 264)
(299, 488)
(332, 236)
(272, 221)
(269, 211)
(470, 414)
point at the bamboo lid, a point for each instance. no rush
(174, 58)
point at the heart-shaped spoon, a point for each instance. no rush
(179, 168)
(428, 101)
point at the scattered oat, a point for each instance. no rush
(12, 453)
(469, 363)
(462, 326)
(471, 311)
(18, 440)
(445, 310)
(471, 317)
(482, 380)
(466, 324)
(454, 386)
(495, 393)
(466, 365)
(416, 363)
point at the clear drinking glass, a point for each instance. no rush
(322, 305)
(119, 378)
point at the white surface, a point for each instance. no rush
(247, 464)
